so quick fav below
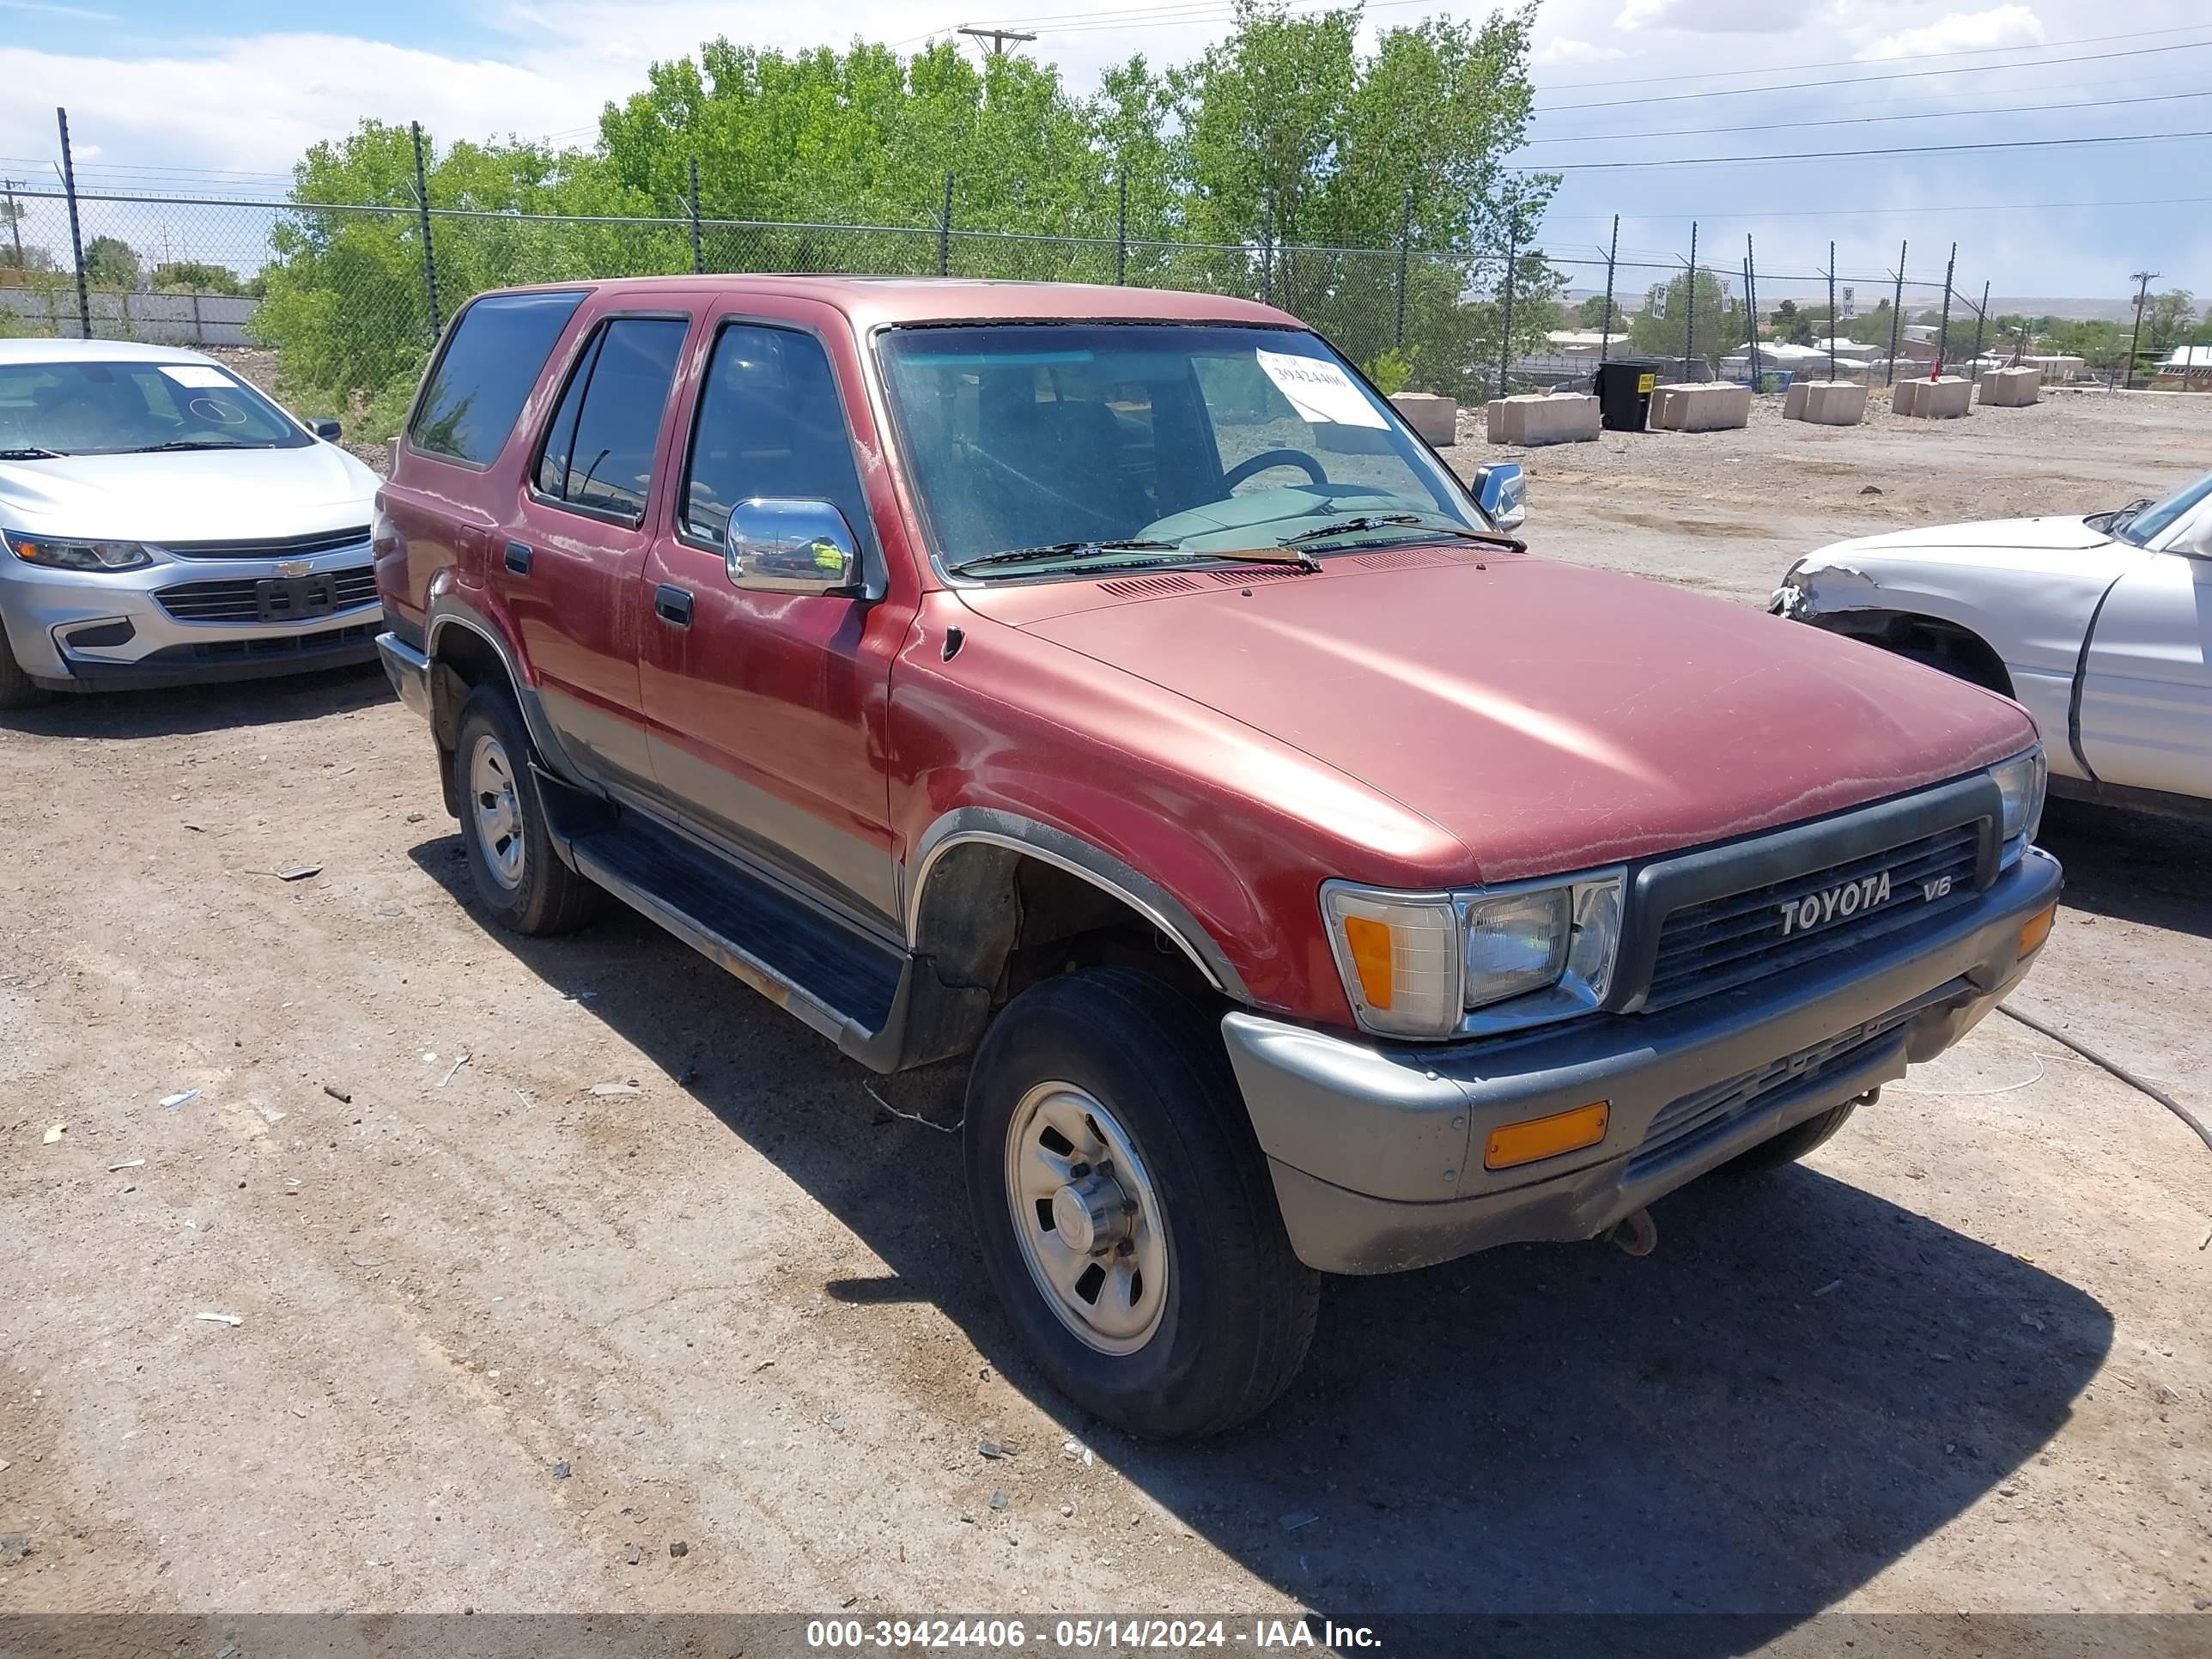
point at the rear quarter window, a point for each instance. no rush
(477, 386)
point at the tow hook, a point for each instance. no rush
(1636, 1235)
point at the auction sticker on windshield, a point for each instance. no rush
(196, 374)
(1319, 390)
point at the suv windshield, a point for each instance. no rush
(1138, 443)
(2148, 524)
(122, 409)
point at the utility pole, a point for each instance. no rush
(998, 38)
(2142, 282)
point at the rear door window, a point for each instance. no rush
(598, 454)
(477, 386)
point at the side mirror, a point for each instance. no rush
(329, 431)
(1502, 491)
(781, 546)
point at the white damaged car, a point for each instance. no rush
(162, 523)
(2101, 626)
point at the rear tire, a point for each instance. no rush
(17, 690)
(1793, 1143)
(1148, 1271)
(518, 876)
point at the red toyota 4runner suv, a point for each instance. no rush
(1109, 684)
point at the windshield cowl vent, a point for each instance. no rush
(1404, 558)
(1136, 586)
(1251, 573)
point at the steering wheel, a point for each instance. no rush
(1254, 465)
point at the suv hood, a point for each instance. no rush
(194, 495)
(1551, 718)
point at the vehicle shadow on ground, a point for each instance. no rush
(2133, 867)
(187, 710)
(1802, 1384)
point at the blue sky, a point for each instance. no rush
(200, 95)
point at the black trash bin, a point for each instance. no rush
(1624, 394)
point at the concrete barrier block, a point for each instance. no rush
(1568, 418)
(2011, 388)
(1701, 406)
(1829, 403)
(1434, 417)
(1793, 401)
(1944, 399)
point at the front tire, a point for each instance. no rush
(520, 877)
(16, 690)
(1125, 1212)
(1793, 1143)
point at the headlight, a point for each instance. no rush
(58, 554)
(2021, 783)
(1445, 964)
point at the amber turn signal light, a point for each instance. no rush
(1546, 1137)
(2037, 928)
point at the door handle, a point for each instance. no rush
(518, 558)
(672, 604)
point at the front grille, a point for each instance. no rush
(274, 547)
(1712, 1111)
(270, 599)
(1729, 941)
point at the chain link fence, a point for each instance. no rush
(350, 296)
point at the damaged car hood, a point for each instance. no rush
(1549, 717)
(189, 495)
(2050, 534)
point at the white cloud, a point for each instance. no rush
(1720, 16)
(1575, 51)
(1963, 31)
(253, 103)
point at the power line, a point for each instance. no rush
(1755, 213)
(1871, 80)
(1850, 154)
(1853, 120)
(1902, 57)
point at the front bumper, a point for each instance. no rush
(1376, 1152)
(107, 630)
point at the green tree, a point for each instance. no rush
(1282, 163)
(196, 277)
(1660, 329)
(111, 262)
(2167, 318)
(1794, 325)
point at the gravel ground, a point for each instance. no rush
(501, 1342)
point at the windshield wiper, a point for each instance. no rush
(191, 443)
(1398, 520)
(30, 453)
(1060, 550)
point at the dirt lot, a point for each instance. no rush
(502, 1342)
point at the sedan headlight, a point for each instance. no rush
(1495, 959)
(59, 553)
(2021, 783)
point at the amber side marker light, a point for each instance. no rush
(2037, 928)
(1371, 945)
(1546, 1137)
